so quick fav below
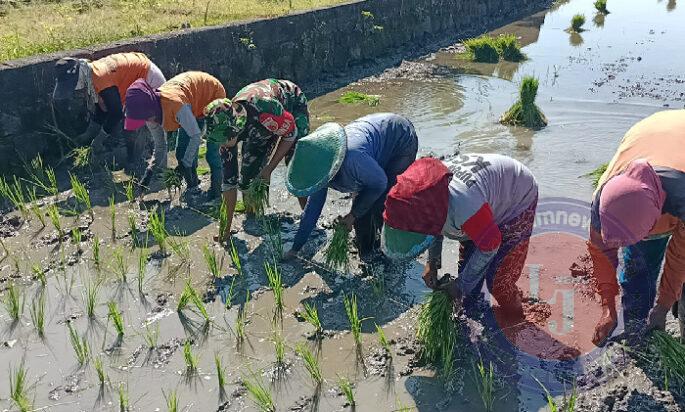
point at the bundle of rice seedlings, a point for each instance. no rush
(596, 174)
(601, 6)
(509, 48)
(436, 330)
(311, 363)
(482, 49)
(172, 181)
(115, 316)
(671, 356)
(337, 253)
(259, 393)
(79, 344)
(81, 194)
(348, 390)
(486, 384)
(256, 197)
(352, 97)
(19, 389)
(577, 22)
(525, 112)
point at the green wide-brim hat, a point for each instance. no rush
(317, 159)
(402, 244)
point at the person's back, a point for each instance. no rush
(380, 135)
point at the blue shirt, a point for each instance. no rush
(373, 142)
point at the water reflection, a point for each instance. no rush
(575, 39)
(671, 5)
(599, 20)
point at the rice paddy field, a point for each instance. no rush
(115, 303)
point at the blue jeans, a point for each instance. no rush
(215, 166)
(638, 277)
(182, 140)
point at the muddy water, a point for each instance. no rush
(593, 86)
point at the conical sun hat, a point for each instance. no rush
(317, 159)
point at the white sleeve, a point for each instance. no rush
(189, 124)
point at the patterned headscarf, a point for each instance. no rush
(224, 119)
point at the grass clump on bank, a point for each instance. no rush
(525, 112)
(489, 49)
(359, 98)
(577, 23)
(437, 331)
(601, 6)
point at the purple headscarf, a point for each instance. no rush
(142, 102)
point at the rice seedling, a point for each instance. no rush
(172, 181)
(157, 226)
(279, 348)
(123, 398)
(241, 321)
(272, 228)
(171, 401)
(311, 362)
(81, 156)
(90, 297)
(220, 372)
(38, 314)
(142, 268)
(14, 302)
(230, 294)
(211, 260)
(436, 330)
(601, 6)
(96, 252)
(402, 407)
(35, 209)
(53, 214)
(130, 192)
(482, 49)
(276, 285)
(235, 259)
(52, 189)
(486, 384)
(14, 192)
(190, 295)
(133, 227)
(596, 174)
(353, 97)
(120, 265)
(525, 112)
(151, 336)
(115, 316)
(337, 252)
(76, 237)
(509, 48)
(100, 370)
(311, 316)
(81, 194)
(79, 344)
(224, 229)
(383, 340)
(353, 316)
(256, 197)
(671, 356)
(19, 388)
(189, 359)
(39, 274)
(569, 404)
(259, 393)
(577, 22)
(113, 218)
(347, 389)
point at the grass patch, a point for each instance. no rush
(525, 112)
(596, 174)
(352, 97)
(577, 23)
(311, 363)
(256, 197)
(79, 344)
(436, 331)
(115, 316)
(346, 388)
(19, 390)
(259, 393)
(337, 253)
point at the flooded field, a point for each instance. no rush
(593, 87)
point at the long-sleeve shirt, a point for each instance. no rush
(375, 143)
(658, 139)
(486, 191)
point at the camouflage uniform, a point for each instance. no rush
(258, 116)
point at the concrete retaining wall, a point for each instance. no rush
(309, 48)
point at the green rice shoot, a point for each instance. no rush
(113, 218)
(19, 388)
(90, 297)
(220, 371)
(100, 371)
(213, 265)
(120, 264)
(569, 404)
(157, 226)
(272, 229)
(577, 23)
(38, 314)
(235, 259)
(482, 49)
(171, 401)
(123, 398)
(337, 253)
(436, 330)
(353, 97)
(671, 356)
(311, 363)
(509, 48)
(53, 214)
(276, 284)
(130, 192)
(79, 344)
(151, 336)
(596, 174)
(115, 316)
(383, 340)
(259, 393)
(279, 348)
(14, 302)
(35, 209)
(97, 260)
(353, 317)
(486, 384)
(172, 181)
(241, 321)
(601, 6)
(14, 192)
(190, 295)
(256, 197)
(143, 256)
(81, 157)
(133, 227)
(39, 273)
(224, 229)
(191, 360)
(81, 194)
(347, 389)
(311, 316)
(525, 112)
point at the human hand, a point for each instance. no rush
(289, 256)
(265, 175)
(605, 326)
(430, 276)
(348, 221)
(657, 318)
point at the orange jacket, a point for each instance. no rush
(119, 70)
(197, 89)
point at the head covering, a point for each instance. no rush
(416, 208)
(317, 159)
(224, 119)
(71, 75)
(142, 103)
(630, 204)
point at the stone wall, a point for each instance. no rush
(309, 48)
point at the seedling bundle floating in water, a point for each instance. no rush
(525, 112)
(337, 253)
(256, 197)
(358, 98)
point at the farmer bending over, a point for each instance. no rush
(363, 158)
(485, 201)
(640, 206)
(264, 115)
(177, 104)
(103, 84)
